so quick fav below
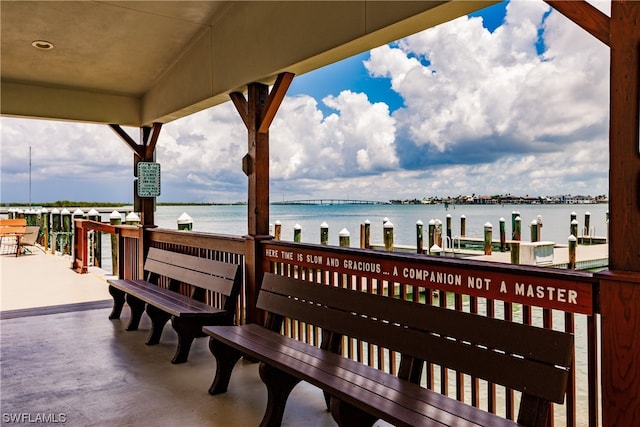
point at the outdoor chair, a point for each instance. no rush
(28, 240)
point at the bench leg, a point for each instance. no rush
(158, 318)
(118, 302)
(279, 385)
(137, 308)
(345, 415)
(226, 358)
(188, 330)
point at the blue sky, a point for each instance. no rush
(513, 99)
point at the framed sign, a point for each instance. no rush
(148, 179)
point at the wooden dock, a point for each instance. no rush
(588, 257)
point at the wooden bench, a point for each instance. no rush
(13, 229)
(524, 358)
(188, 313)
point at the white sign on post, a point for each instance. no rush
(148, 179)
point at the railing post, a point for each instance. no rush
(44, 227)
(77, 214)
(297, 233)
(503, 235)
(114, 219)
(96, 245)
(80, 252)
(66, 229)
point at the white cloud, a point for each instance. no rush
(483, 113)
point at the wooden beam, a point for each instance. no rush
(240, 102)
(151, 140)
(586, 16)
(276, 96)
(127, 139)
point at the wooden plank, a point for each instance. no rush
(586, 16)
(169, 301)
(567, 290)
(514, 371)
(200, 272)
(552, 347)
(274, 100)
(383, 395)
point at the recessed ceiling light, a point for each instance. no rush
(42, 44)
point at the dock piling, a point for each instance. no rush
(488, 235)
(388, 236)
(344, 237)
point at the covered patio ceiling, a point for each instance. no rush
(134, 63)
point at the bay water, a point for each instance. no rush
(232, 219)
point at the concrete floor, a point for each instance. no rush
(64, 360)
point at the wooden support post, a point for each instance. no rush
(419, 237)
(620, 287)
(257, 113)
(143, 152)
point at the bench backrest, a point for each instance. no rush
(14, 222)
(11, 226)
(203, 274)
(532, 360)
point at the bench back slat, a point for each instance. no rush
(200, 272)
(442, 336)
(14, 222)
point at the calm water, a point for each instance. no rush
(233, 219)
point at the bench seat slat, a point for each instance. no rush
(544, 345)
(397, 401)
(176, 304)
(487, 364)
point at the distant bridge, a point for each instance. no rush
(330, 202)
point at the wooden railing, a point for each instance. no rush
(129, 252)
(543, 297)
(219, 247)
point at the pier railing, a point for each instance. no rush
(548, 298)
(555, 299)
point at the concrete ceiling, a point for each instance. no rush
(138, 62)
